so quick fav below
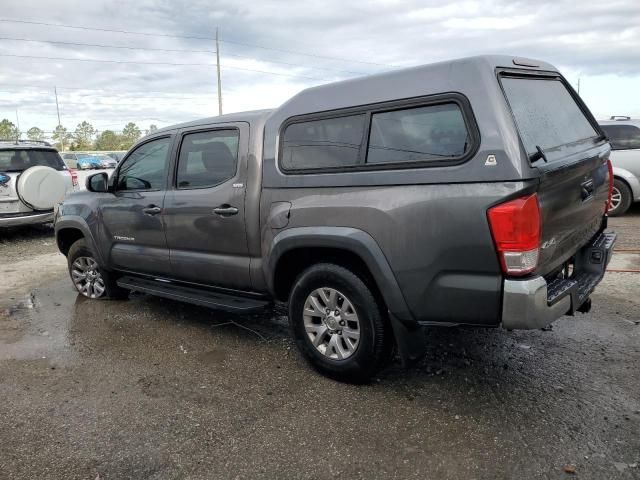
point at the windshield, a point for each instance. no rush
(20, 160)
(546, 114)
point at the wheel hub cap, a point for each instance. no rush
(331, 323)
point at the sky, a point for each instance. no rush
(270, 50)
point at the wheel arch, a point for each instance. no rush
(69, 229)
(295, 249)
(65, 237)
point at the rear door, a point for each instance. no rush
(565, 144)
(204, 208)
(133, 216)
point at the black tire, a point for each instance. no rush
(375, 343)
(111, 289)
(626, 198)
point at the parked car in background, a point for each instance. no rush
(71, 158)
(88, 160)
(624, 135)
(472, 192)
(33, 180)
(117, 156)
(106, 161)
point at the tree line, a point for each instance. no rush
(84, 137)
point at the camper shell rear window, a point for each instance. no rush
(547, 115)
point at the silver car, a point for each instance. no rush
(624, 135)
(106, 161)
(33, 181)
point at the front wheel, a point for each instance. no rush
(337, 323)
(87, 276)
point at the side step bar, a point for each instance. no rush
(196, 296)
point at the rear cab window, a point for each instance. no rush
(207, 158)
(19, 160)
(546, 114)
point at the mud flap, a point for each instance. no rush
(411, 341)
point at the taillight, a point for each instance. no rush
(515, 226)
(74, 177)
(610, 168)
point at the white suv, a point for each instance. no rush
(624, 135)
(33, 180)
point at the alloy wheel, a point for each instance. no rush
(331, 323)
(87, 278)
(616, 199)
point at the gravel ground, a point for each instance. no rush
(150, 388)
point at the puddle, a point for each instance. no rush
(35, 325)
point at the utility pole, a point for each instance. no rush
(18, 125)
(578, 85)
(55, 91)
(218, 69)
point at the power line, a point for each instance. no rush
(294, 52)
(158, 63)
(104, 61)
(293, 64)
(78, 44)
(192, 37)
(103, 90)
(126, 97)
(183, 51)
(129, 32)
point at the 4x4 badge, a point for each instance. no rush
(491, 161)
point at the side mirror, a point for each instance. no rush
(98, 183)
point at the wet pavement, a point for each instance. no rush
(148, 388)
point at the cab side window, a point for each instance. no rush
(208, 158)
(146, 167)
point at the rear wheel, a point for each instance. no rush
(337, 323)
(87, 276)
(621, 198)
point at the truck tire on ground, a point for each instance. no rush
(337, 323)
(621, 198)
(41, 187)
(89, 279)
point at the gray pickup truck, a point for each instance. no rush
(469, 192)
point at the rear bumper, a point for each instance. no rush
(26, 219)
(534, 303)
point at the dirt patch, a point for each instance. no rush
(34, 270)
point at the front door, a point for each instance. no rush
(204, 208)
(133, 217)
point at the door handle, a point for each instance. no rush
(151, 210)
(225, 210)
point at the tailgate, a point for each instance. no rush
(572, 202)
(567, 148)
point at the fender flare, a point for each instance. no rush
(350, 239)
(410, 337)
(78, 223)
